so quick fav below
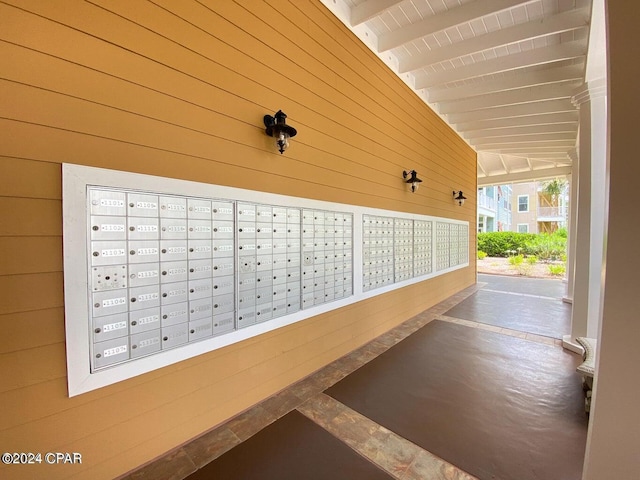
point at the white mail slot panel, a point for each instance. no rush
(246, 212)
(142, 205)
(108, 227)
(318, 268)
(199, 269)
(173, 271)
(173, 293)
(279, 292)
(222, 210)
(264, 312)
(263, 295)
(174, 314)
(293, 260)
(143, 251)
(172, 207)
(308, 246)
(280, 246)
(246, 298)
(246, 263)
(173, 250)
(279, 261)
(293, 246)
(200, 249)
(199, 209)
(201, 308)
(308, 233)
(246, 317)
(223, 266)
(200, 329)
(307, 218)
(223, 285)
(293, 290)
(264, 279)
(293, 215)
(247, 281)
(280, 276)
(246, 231)
(173, 229)
(308, 284)
(279, 308)
(264, 213)
(279, 215)
(141, 274)
(246, 246)
(264, 263)
(307, 300)
(175, 335)
(329, 296)
(143, 228)
(293, 231)
(145, 343)
(223, 231)
(199, 229)
(293, 305)
(200, 288)
(103, 202)
(109, 327)
(279, 233)
(108, 277)
(144, 320)
(264, 230)
(264, 247)
(144, 297)
(110, 352)
(109, 253)
(109, 302)
(223, 304)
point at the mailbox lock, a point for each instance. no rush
(191, 290)
(164, 250)
(97, 330)
(192, 331)
(97, 305)
(132, 252)
(133, 299)
(134, 346)
(131, 204)
(95, 228)
(98, 355)
(164, 295)
(165, 338)
(164, 317)
(134, 323)
(164, 272)
(96, 254)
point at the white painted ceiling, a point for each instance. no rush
(500, 72)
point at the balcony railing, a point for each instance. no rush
(485, 201)
(552, 212)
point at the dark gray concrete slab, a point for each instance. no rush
(546, 287)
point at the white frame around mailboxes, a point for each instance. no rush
(78, 179)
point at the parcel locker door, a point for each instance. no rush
(110, 352)
(142, 205)
(105, 202)
(173, 207)
(145, 343)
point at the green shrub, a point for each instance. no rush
(532, 259)
(548, 246)
(516, 260)
(481, 255)
(557, 269)
(496, 244)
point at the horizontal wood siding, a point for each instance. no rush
(179, 89)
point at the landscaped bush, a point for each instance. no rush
(496, 244)
(548, 246)
(557, 269)
(481, 255)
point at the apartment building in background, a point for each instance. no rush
(494, 208)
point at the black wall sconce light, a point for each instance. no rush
(413, 180)
(277, 128)
(459, 197)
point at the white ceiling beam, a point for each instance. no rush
(527, 150)
(525, 139)
(563, 22)
(442, 21)
(568, 127)
(510, 97)
(369, 9)
(529, 58)
(520, 177)
(541, 119)
(514, 81)
(536, 108)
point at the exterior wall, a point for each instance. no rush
(179, 89)
(524, 217)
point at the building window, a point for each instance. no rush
(523, 228)
(523, 203)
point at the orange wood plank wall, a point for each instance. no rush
(179, 89)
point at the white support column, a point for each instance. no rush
(590, 211)
(571, 240)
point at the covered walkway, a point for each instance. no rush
(477, 386)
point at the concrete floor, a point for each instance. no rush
(398, 457)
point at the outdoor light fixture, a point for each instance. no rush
(277, 128)
(414, 180)
(459, 197)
